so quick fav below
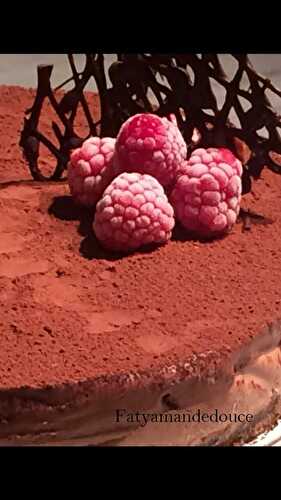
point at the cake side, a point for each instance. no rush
(172, 412)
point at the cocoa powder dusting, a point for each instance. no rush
(72, 312)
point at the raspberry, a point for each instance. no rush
(133, 211)
(91, 169)
(207, 194)
(151, 145)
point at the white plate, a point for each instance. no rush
(271, 438)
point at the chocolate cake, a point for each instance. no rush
(91, 341)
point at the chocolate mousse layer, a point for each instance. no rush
(84, 332)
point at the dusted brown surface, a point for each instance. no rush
(71, 312)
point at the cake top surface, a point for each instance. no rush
(72, 312)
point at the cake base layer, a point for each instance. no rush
(234, 415)
(252, 404)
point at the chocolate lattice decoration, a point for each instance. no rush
(163, 84)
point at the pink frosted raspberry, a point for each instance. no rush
(91, 169)
(134, 211)
(207, 194)
(151, 145)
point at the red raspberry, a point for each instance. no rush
(151, 145)
(134, 211)
(207, 194)
(91, 169)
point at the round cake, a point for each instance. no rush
(178, 344)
